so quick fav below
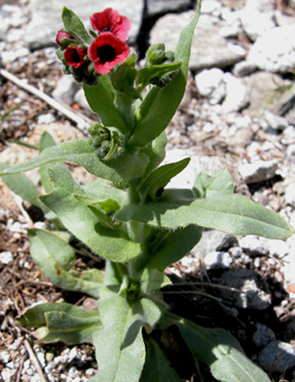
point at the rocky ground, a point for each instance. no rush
(238, 111)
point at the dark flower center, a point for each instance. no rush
(75, 57)
(106, 53)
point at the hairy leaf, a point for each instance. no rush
(74, 25)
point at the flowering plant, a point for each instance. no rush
(127, 215)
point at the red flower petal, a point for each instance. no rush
(106, 52)
(74, 56)
(111, 21)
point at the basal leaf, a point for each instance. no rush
(234, 214)
(80, 152)
(62, 322)
(56, 257)
(159, 106)
(21, 185)
(157, 367)
(120, 339)
(82, 223)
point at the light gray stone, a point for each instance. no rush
(81, 100)
(46, 17)
(290, 194)
(65, 90)
(274, 121)
(274, 51)
(259, 5)
(218, 260)
(236, 98)
(209, 48)
(244, 68)
(277, 356)
(210, 84)
(258, 171)
(6, 257)
(253, 246)
(256, 23)
(163, 6)
(10, 17)
(254, 292)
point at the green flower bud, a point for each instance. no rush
(156, 54)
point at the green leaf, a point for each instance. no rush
(234, 214)
(108, 205)
(145, 75)
(80, 152)
(81, 222)
(156, 152)
(100, 99)
(21, 185)
(160, 177)
(129, 165)
(65, 322)
(174, 246)
(157, 367)
(74, 26)
(202, 182)
(46, 141)
(123, 75)
(99, 189)
(56, 258)
(221, 352)
(120, 339)
(159, 106)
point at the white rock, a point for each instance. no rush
(236, 97)
(290, 194)
(274, 121)
(208, 80)
(10, 56)
(274, 51)
(256, 23)
(258, 171)
(253, 245)
(212, 7)
(6, 257)
(244, 68)
(218, 259)
(81, 100)
(65, 90)
(47, 119)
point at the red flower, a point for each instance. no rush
(110, 21)
(62, 34)
(106, 52)
(74, 56)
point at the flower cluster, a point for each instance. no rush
(108, 49)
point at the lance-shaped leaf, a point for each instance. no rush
(21, 185)
(46, 141)
(80, 152)
(156, 152)
(62, 322)
(56, 258)
(233, 214)
(157, 367)
(100, 189)
(145, 75)
(120, 339)
(100, 99)
(160, 177)
(159, 106)
(74, 25)
(82, 223)
(220, 351)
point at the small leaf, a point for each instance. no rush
(21, 185)
(202, 182)
(157, 367)
(160, 177)
(101, 101)
(123, 75)
(74, 25)
(81, 222)
(56, 257)
(65, 322)
(145, 75)
(156, 152)
(152, 279)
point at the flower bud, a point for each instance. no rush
(155, 54)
